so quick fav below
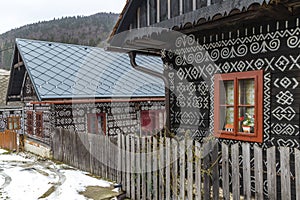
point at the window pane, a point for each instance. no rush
(227, 93)
(246, 92)
(246, 119)
(226, 118)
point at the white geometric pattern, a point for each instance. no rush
(288, 113)
(284, 98)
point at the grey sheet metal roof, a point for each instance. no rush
(60, 71)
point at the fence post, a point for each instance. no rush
(235, 171)
(258, 164)
(128, 168)
(271, 173)
(285, 172)
(198, 171)
(168, 170)
(132, 152)
(161, 167)
(215, 170)
(175, 168)
(190, 162)
(246, 170)
(149, 168)
(119, 157)
(225, 171)
(140, 168)
(182, 169)
(155, 169)
(297, 167)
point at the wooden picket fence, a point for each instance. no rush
(8, 140)
(165, 168)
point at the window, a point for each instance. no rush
(97, 123)
(152, 120)
(13, 123)
(29, 122)
(39, 124)
(238, 106)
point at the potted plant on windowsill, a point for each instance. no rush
(247, 123)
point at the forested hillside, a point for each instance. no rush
(83, 30)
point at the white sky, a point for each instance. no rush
(16, 13)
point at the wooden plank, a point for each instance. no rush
(225, 171)
(258, 171)
(215, 170)
(132, 158)
(161, 168)
(143, 171)
(155, 169)
(235, 172)
(246, 170)
(123, 142)
(190, 162)
(128, 167)
(139, 168)
(285, 172)
(182, 169)
(119, 157)
(271, 173)
(149, 168)
(206, 166)
(175, 169)
(168, 170)
(297, 173)
(198, 171)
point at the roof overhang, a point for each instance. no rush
(150, 40)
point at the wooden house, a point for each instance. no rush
(83, 89)
(228, 60)
(228, 64)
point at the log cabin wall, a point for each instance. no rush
(120, 117)
(271, 46)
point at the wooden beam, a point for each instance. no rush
(19, 64)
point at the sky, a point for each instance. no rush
(16, 13)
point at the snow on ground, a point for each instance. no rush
(2, 151)
(26, 177)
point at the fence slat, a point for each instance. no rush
(182, 169)
(149, 168)
(132, 174)
(225, 171)
(198, 183)
(297, 173)
(190, 162)
(285, 172)
(155, 169)
(271, 173)
(235, 171)
(175, 169)
(143, 171)
(140, 166)
(123, 161)
(168, 170)
(161, 168)
(206, 165)
(215, 170)
(258, 171)
(119, 157)
(128, 168)
(246, 170)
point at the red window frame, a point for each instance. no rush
(29, 122)
(93, 120)
(39, 124)
(257, 136)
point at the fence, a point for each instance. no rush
(164, 168)
(8, 140)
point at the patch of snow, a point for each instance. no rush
(2, 151)
(76, 181)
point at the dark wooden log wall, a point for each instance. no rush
(272, 46)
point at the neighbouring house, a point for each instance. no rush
(84, 89)
(10, 116)
(233, 67)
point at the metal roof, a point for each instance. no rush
(60, 71)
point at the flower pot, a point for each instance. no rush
(247, 129)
